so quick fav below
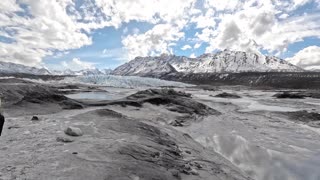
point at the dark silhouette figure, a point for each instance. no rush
(1, 122)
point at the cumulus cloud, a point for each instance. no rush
(283, 16)
(197, 45)
(76, 64)
(152, 11)
(298, 3)
(156, 41)
(206, 20)
(222, 5)
(164, 35)
(185, 47)
(44, 27)
(308, 58)
(193, 55)
(241, 30)
(35, 29)
(119, 54)
(256, 28)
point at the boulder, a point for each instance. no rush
(73, 131)
(71, 104)
(289, 95)
(35, 118)
(228, 95)
(64, 139)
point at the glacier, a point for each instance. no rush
(122, 81)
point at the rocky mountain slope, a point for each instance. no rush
(221, 62)
(296, 80)
(12, 68)
(9, 68)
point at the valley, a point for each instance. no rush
(143, 128)
(228, 115)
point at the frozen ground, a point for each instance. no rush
(254, 133)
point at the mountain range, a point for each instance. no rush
(83, 72)
(221, 62)
(10, 68)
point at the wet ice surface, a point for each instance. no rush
(110, 94)
(248, 105)
(93, 95)
(256, 139)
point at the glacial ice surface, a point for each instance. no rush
(123, 81)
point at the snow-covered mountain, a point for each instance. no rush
(86, 72)
(221, 62)
(10, 68)
(83, 72)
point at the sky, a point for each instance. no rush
(86, 34)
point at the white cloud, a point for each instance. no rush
(298, 3)
(185, 47)
(193, 55)
(290, 31)
(49, 26)
(83, 64)
(242, 30)
(154, 42)
(9, 6)
(308, 58)
(119, 54)
(197, 45)
(168, 30)
(206, 35)
(222, 5)
(207, 20)
(60, 54)
(283, 16)
(76, 64)
(152, 11)
(256, 28)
